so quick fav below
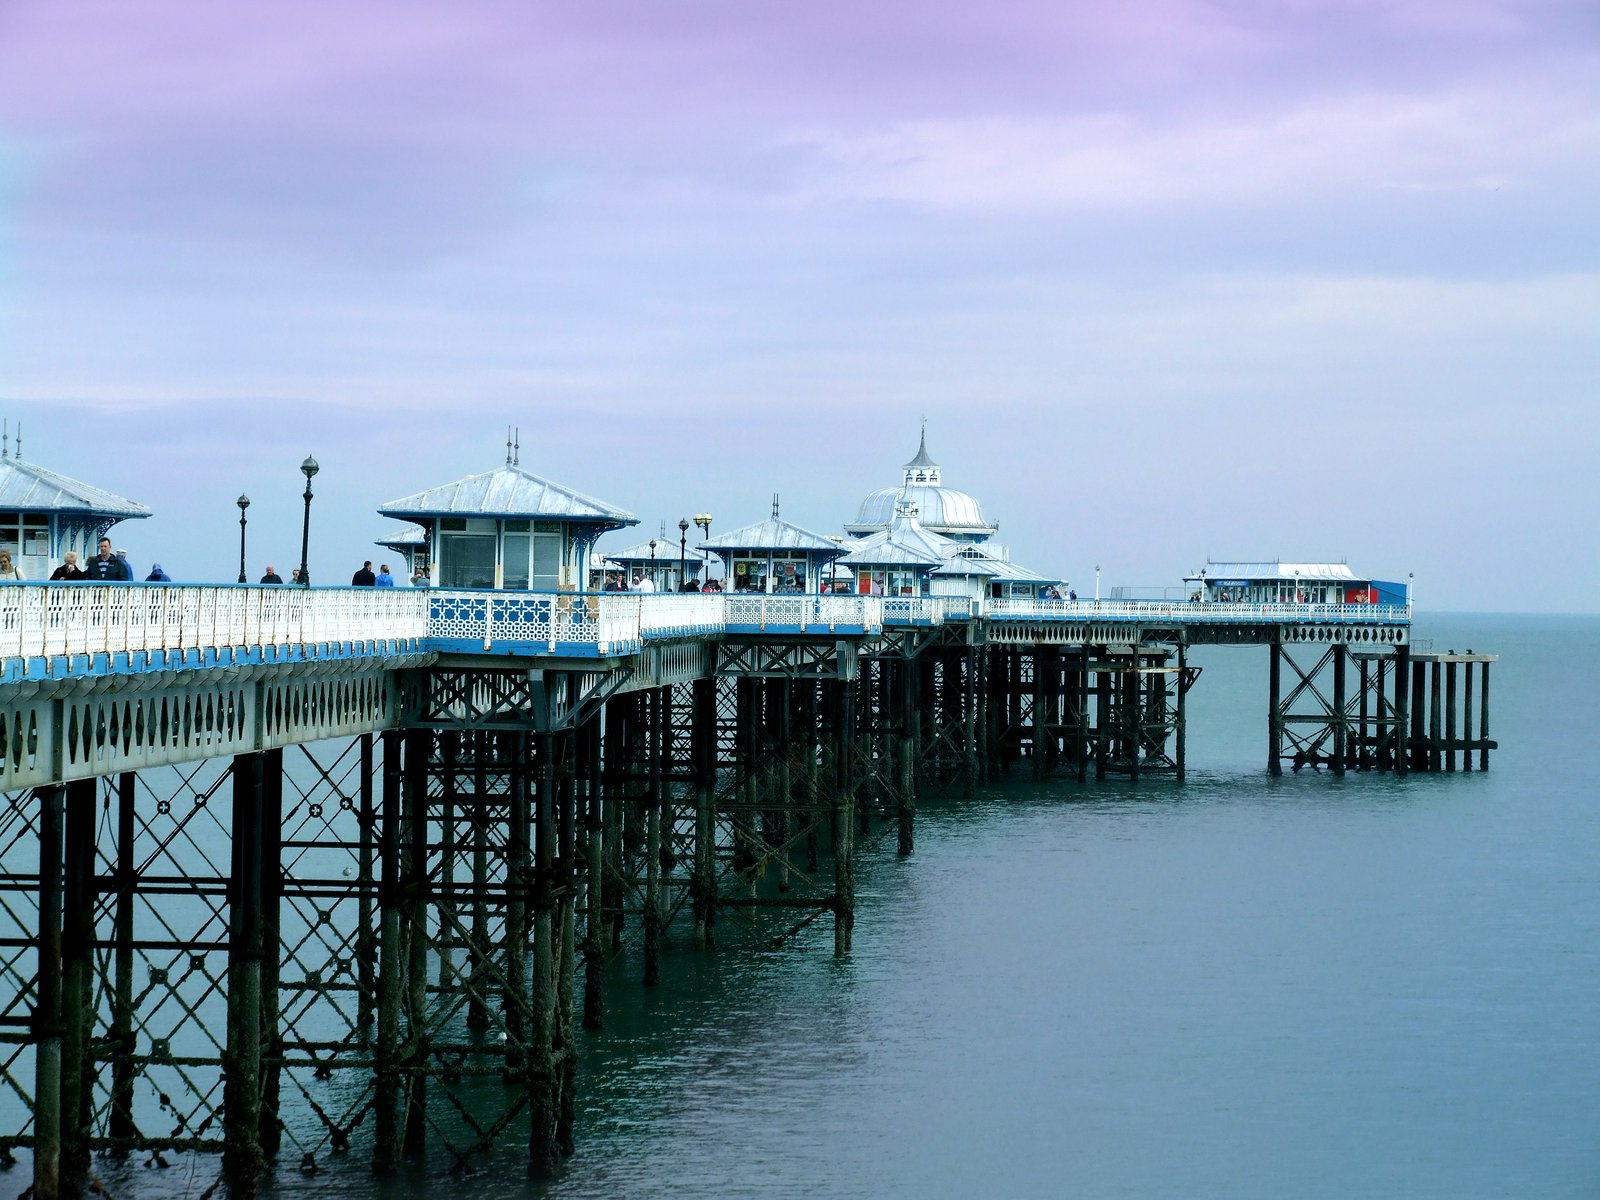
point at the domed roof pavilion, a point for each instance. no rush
(939, 509)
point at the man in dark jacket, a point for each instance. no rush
(106, 567)
(364, 577)
(272, 575)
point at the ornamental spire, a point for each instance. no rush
(922, 470)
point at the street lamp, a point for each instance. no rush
(243, 502)
(704, 521)
(653, 578)
(1097, 581)
(309, 468)
(683, 551)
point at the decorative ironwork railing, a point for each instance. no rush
(50, 620)
(1197, 612)
(804, 614)
(607, 623)
(91, 618)
(957, 608)
(914, 610)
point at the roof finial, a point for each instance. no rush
(508, 445)
(19, 441)
(516, 449)
(774, 506)
(5, 439)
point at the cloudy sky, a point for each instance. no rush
(1308, 279)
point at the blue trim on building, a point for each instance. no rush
(811, 629)
(537, 648)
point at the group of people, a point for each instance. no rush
(365, 577)
(107, 566)
(643, 583)
(111, 566)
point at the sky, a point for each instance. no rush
(1310, 280)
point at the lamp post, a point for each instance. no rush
(309, 468)
(704, 521)
(243, 502)
(653, 578)
(683, 551)
(1097, 581)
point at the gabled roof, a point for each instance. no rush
(508, 491)
(773, 534)
(25, 487)
(887, 554)
(904, 543)
(986, 567)
(408, 538)
(665, 552)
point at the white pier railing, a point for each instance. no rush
(803, 614)
(54, 620)
(577, 622)
(1197, 612)
(45, 620)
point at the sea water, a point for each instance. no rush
(1234, 987)
(1237, 986)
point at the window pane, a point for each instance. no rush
(546, 561)
(515, 573)
(466, 561)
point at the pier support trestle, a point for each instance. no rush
(1100, 708)
(1389, 708)
(383, 946)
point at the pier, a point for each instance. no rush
(293, 873)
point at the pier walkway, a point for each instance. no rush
(59, 631)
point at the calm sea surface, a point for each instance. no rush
(1238, 987)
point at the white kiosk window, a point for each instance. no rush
(532, 555)
(466, 553)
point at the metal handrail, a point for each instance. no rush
(55, 619)
(1200, 612)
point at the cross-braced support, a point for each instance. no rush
(1401, 713)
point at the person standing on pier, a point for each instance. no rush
(8, 569)
(364, 577)
(642, 583)
(157, 575)
(69, 570)
(384, 579)
(107, 567)
(272, 575)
